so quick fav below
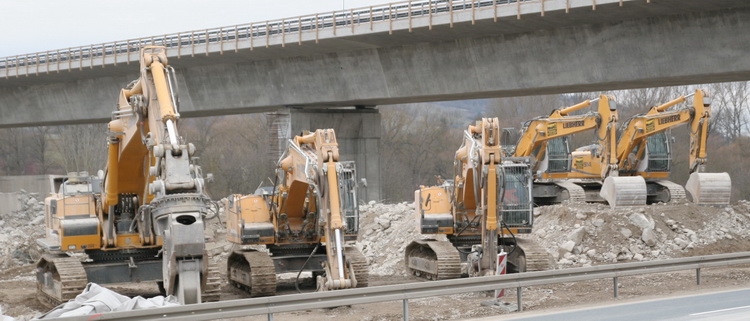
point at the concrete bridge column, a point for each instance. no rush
(357, 132)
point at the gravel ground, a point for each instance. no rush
(573, 234)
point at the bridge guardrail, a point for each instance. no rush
(408, 291)
(258, 32)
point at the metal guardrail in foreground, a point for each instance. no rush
(406, 292)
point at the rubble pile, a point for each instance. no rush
(590, 234)
(579, 234)
(384, 232)
(19, 231)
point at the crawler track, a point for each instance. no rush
(68, 279)
(576, 193)
(537, 258)
(253, 272)
(433, 260)
(359, 266)
(676, 192)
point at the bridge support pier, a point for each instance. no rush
(357, 132)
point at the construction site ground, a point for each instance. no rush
(574, 235)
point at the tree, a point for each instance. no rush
(730, 108)
(81, 148)
(418, 142)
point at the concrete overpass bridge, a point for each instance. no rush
(411, 51)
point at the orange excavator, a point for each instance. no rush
(643, 151)
(484, 209)
(304, 222)
(146, 224)
(544, 139)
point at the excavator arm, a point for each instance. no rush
(151, 179)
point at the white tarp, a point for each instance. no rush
(98, 299)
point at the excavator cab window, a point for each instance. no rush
(516, 195)
(558, 155)
(659, 152)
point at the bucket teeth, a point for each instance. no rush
(709, 188)
(621, 191)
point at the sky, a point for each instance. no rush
(29, 26)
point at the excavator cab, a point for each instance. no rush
(516, 200)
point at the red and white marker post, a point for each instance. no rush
(502, 259)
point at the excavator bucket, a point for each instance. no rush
(709, 188)
(621, 191)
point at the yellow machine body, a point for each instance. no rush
(249, 220)
(72, 219)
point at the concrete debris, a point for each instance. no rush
(641, 221)
(574, 234)
(649, 237)
(19, 230)
(577, 235)
(385, 230)
(634, 234)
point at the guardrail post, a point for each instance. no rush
(698, 276)
(406, 310)
(519, 300)
(270, 317)
(615, 284)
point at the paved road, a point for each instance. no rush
(726, 306)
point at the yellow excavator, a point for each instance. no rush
(484, 209)
(146, 224)
(643, 152)
(304, 221)
(544, 139)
